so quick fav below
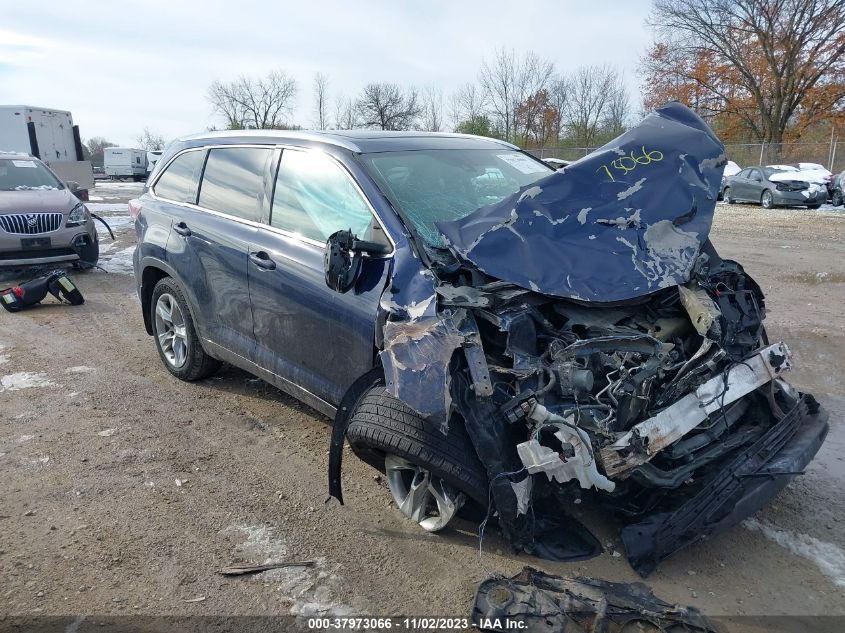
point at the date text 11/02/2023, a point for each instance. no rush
(414, 624)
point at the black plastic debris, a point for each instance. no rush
(536, 602)
(33, 292)
(623, 222)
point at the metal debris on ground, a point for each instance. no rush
(241, 570)
(533, 602)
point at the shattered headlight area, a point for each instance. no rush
(658, 396)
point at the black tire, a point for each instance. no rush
(813, 206)
(767, 199)
(381, 424)
(836, 199)
(198, 364)
(726, 196)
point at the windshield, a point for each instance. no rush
(25, 174)
(432, 186)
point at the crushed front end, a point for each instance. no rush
(598, 349)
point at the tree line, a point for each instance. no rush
(519, 97)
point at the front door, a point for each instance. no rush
(307, 334)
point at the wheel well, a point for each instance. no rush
(149, 278)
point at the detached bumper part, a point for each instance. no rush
(735, 492)
(533, 601)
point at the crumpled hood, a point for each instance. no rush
(623, 222)
(37, 201)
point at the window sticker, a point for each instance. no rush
(522, 163)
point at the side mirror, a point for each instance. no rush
(342, 260)
(72, 185)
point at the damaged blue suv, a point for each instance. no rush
(491, 334)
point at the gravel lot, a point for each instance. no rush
(125, 490)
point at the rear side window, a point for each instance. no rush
(233, 181)
(179, 180)
(315, 198)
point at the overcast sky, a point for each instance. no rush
(121, 66)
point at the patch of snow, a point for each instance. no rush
(829, 558)
(24, 438)
(79, 369)
(3, 359)
(24, 380)
(106, 432)
(120, 262)
(307, 586)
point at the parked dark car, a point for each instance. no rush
(41, 221)
(773, 187)
(471, 318)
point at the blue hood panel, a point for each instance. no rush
(621, 223)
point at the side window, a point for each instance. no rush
(315, 197)
(233, 181)
(744, 173)
(755, 175)
(179, 180)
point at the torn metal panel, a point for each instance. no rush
(651, 436)
(416, 358)
(621, 223)
(535, 602)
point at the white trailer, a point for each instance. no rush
(125, 162)
(47, 134)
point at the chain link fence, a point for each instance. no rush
(830, 154)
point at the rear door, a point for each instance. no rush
(210, 239)
(308, 335)
(756, 184)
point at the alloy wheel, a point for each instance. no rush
(170, 330)
(767, 201)
(421, 496)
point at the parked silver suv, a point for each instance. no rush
(41, 221)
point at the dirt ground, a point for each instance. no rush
(124, 490)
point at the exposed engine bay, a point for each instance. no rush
(595, 346)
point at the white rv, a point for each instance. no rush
(47, 134)
(125, 162)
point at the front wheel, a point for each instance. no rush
(836, 199)
(726, 196)
(767, 200)
(175, 336)
(430, 475)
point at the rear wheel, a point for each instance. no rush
(175, 336)
(836, 199)
(430, 475)
(767, 200)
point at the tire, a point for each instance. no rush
(726, 196)
(836, 199)
(195, 363)
(767, 200)
(383, 425)
(813, 206)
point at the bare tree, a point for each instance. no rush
(455, 111)
(432, 109)
(618, 107)
(256, 103)
(150, 141)
(388, 107)
(558, 95)
(786, 56)
(509, 81)
(96, 145)
(321, 101)
(591, 89)
(345, 113)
